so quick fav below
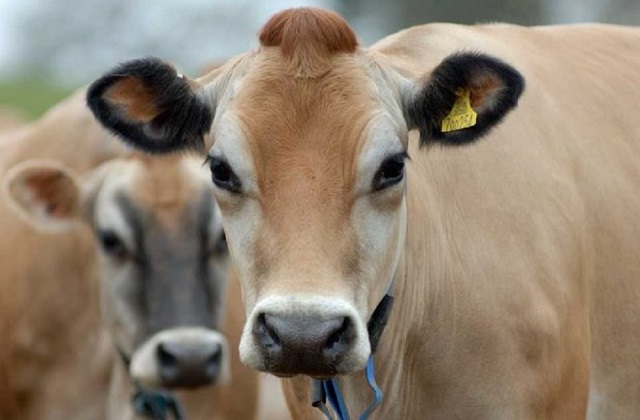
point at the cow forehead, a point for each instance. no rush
(268, 91)
(303, 128)
(162, 189)
(167, 181)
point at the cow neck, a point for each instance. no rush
(152, 403)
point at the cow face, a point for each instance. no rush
(307, 151)
(162, 258)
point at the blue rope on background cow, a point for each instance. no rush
(153, 403)
(157, 405)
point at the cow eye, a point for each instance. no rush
(220, 247)
(391, 172)
(112, 244)
(222, 175)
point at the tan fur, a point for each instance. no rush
(55, 136)
(164, 191)
(314, 167)
(42, 325)
(56, 360)
(307, 37)
(517, 288)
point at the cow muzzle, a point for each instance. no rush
(319, 337)
(182, 358)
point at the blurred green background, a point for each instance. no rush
(49, 48)
(31, 96)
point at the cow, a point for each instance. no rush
(49, 316)
(162, 274)
(502, 218)
(159, 276)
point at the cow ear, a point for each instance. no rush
(151, 106)
(43, 193)
(463, 98)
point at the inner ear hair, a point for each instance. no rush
(56, 190)
(484, 90)
(42, 192)
(494, 89)
(134, 99)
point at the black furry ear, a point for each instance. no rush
(152, 107)
(465, 96)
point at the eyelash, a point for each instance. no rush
(229, 180)
(380, 182)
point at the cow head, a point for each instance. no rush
(162, 257)
(307, 139)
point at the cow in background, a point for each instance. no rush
(58, 361)
(45, 282)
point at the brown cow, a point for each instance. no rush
(514, 260)
(39, 349)
(161, 272)
(156, 221)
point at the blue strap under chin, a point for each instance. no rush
(334, 395)
(331, 388)
(377, 393)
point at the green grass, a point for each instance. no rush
(30, 96)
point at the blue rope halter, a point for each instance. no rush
(156, 404)
(329, 389)
(153, 403)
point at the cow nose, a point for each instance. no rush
(294, 344)
(188, 365)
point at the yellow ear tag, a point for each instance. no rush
(461, 115)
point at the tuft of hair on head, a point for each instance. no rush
(308, 37)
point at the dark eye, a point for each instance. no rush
(112, 244)
(220, 247)
(391, 172)
(222, 175)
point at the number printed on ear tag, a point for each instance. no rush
(461, 115)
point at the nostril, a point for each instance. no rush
(168, 363)
(338, 338)
(165, 358)
(266, 331)
(216, 354)
(212, 366)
